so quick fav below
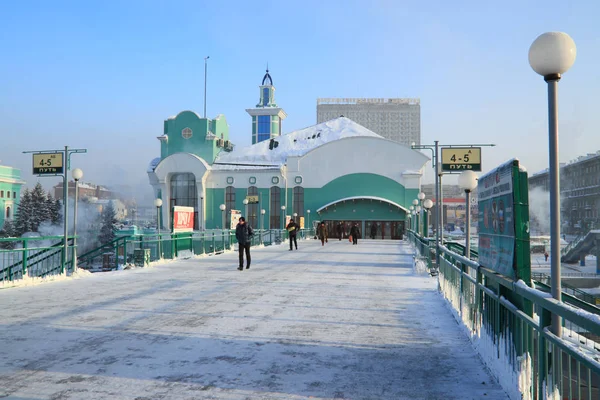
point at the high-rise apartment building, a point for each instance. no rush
(394, 119)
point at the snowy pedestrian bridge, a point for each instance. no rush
(324, 322)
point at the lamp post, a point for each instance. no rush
(245, 201)
(205, 69)
(308, 218)
(427, 204)
(419, 219)
(415, 203)
(77, 174)
(222, 207)
(421, 197)
(158, 203)
(467, 181)
(412, 219)
(283, 216)
(551, 55)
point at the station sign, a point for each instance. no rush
(252, 199)
(48, 163)
(461, 159)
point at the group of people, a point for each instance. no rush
(322, 232)
(244, 233)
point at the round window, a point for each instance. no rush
(186, 133)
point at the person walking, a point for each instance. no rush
(340, 230)
(322, 230)
(354, 232)
(292, 229)
(243, 233)
(373, 230)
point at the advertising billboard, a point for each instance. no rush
(183, 219)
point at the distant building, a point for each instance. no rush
(10, 192)
(579, 192)
(85, 190)
(454, 207)
(394, 119)
(120, 208)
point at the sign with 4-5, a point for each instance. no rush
(48, 163)
(461, 158)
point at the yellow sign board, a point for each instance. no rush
(48, 163)
(252, 199)
(461, 158)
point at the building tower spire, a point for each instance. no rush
(266, 116)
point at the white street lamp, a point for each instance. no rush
(245, 201)
(467, 181)
(427, 204)
(77, 174)
(308, 219)
(158, 204)
(262, 214)
(551, 55)
(223, 207)
(421, 196)
(415, 202)
(283, 216)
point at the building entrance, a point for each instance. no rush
(393, 230)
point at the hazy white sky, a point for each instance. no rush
(104, 75)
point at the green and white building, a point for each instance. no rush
(10, 192)
(339, 170)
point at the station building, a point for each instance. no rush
(10, 192)
(335, 171)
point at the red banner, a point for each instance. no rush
(183, 219)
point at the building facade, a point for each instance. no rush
(397, 119)
(267, 117)
(579, 192)
(84, 190)
(10, 192)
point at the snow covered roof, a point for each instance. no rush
(295, 144)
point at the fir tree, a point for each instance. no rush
(109, 221)
(8, 230)
(57, 218)
(53, 210)
(39, 209)
(24, 216)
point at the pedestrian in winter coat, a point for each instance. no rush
(340, 230)
(322, 230)
(292, 229)
(354, 232)
(243, 233)
(373, 230)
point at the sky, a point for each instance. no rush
(104, 75)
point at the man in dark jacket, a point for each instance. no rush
(340, 230)
(243, 232)
(292, 229)
(373, 230)
(354, 232)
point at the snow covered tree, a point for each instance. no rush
(24, 217)
(57, 217)
(109, 221)
(39, 208)
(53, 208)
(8, 230)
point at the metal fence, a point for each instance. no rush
(509, 323)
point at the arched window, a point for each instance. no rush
(7, 212)
(252, 216)
(299, 201)
(275, 210)
(2, 193)
(184, 193)
(229, 204)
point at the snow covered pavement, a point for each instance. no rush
(332, 322)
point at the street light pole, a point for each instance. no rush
(205, 74)
(245, 201)
(222, 207)
(551, 55)
(283, 216)
(158, 203)
(467, 180)
(427, 204)
(77, 174)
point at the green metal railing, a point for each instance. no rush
(513, 319)
(33, 257)
(121, 251)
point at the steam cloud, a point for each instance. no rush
(539, 211)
